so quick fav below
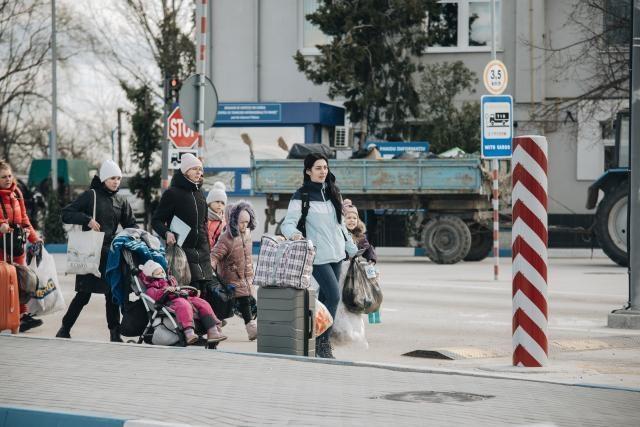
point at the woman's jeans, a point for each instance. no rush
(328, 276)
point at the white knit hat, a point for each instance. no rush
(149, 267)
(188, 161)
(109, 169)
(217, 193)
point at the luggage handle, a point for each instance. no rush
(311, 320)
(12, 291)
(4, 246)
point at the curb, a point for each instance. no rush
(40, 417)
(490, 374)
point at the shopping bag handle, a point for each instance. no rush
(94, 204)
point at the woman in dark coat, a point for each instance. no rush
(185, 200)
(111, 210)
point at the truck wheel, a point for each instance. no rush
(481, 243)
(447, 239)
(611, 224)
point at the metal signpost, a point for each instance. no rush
(201, 69)
(497, 129)
(634, 197)
(629, 316)
(53, 143)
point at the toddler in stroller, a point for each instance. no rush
(182, 300)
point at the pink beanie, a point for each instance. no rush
(348, 207)
(188, 161)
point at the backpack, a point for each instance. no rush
(302, 222)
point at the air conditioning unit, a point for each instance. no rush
(343, 137)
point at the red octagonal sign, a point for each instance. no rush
(179, 133)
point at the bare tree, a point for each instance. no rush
(150, 39)
(598, 59)
(25, 46)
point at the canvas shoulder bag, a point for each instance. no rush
(84, 249)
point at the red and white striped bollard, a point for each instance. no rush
(529, 242)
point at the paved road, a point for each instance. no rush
(460, 310)
(204, 387)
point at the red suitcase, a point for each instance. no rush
(9, 304)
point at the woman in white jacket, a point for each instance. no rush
(323, 225)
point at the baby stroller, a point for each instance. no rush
(153, 321)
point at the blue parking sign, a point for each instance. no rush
(497, 126)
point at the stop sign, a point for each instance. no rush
(179, 133)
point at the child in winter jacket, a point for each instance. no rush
(358, 230)
(231, 259)
(155, 279)
(216, 201)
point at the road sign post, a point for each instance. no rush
(496, 131)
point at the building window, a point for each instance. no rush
(311, 35)
(464, 25)
(616, 23)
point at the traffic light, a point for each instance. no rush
(174, 87)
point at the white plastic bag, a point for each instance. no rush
(348, 328)
(47, 298)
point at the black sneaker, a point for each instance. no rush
(27, 321)
(63, 333)
(114, 335)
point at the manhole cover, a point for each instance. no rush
(428, 354)
(434, 397)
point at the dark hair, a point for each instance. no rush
(334, 191)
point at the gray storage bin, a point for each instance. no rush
(285, 321)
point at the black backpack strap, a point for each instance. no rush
(302, 222)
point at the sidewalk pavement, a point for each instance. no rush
(204, 387)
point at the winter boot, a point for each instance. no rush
(323, 348)
(115, 334)
(27, 321)
(214, 334)
(252, 330)
(190, 336)
(63, 333)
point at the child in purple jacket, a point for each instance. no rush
(155, 279)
